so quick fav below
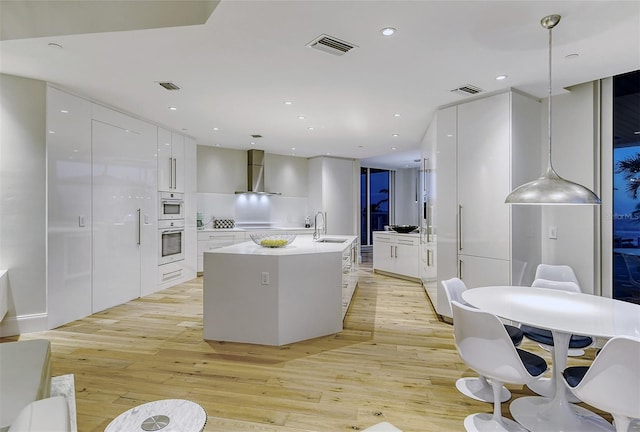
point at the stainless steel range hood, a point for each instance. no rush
(255, 173)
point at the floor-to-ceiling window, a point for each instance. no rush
(626, 187)
(374, 202)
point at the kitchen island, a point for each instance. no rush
(277, 296)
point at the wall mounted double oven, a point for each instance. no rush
(170, 227)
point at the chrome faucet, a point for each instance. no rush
(316, 231)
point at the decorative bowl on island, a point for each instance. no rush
(404, 229)
(273, 240)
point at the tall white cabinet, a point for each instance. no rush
(69, 212)
(125, 212)
(333, 189)
(102, 206)
(486, 147)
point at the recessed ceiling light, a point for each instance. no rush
(388, 31)
(572, 56)
(216, 129)
(501, 77)
(293, 148)
(173, 108)
(54, 45)
(328, 154)
(395, 135)
(52, 132)
(300, 117)
(449, 135)
(288, 102)
(394, 148)
(253, 143)
(311, 128)
(396, 115)
(63, 111)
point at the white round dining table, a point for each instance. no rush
(564, 313)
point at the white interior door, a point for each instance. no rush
(123, 169)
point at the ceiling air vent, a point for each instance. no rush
(467, 89)
(168, 85)
(331, 45)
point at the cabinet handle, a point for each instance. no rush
(460, 275)
(175, 174)
(139, 227)
(459, 227)
(81, 221)
(428, 257)
(391, 251)
(396, 251)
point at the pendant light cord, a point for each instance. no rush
(549, 102)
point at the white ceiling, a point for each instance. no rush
(236, 71)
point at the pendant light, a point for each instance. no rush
(551, 188)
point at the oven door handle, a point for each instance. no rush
(172, 201)
(173, 231)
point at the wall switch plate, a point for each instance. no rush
(265, 278)
(553, 232)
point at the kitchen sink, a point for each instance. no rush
(331, 240)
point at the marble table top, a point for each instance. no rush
(168, 415)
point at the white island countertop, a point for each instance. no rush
(300, 246)
(276, 296)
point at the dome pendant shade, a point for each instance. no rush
(551, 189)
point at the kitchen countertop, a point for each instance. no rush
(300, 246)
(240, 229)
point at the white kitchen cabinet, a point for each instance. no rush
(333, 189)
(349, 275)
(69, 207)
(487, 147)
(125, 229)
(190, 262)
(171, 274)
(484, 271)
(483, 167)
(428, 263)
(171, 154)
(396, 254)
(209, 240)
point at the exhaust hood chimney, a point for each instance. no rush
(255, 173)
(255, 170)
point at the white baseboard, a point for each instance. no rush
(12, 326)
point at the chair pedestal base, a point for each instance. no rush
(539, 414)
(573, 352)
(479, 389)
(485, 423)
(544, 387)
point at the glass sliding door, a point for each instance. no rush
(375, 185)
(626, 187)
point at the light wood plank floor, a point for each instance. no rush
(393, 362)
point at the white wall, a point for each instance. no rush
(23, 200)
(222, 172)
(406, 207)
(575, 142)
